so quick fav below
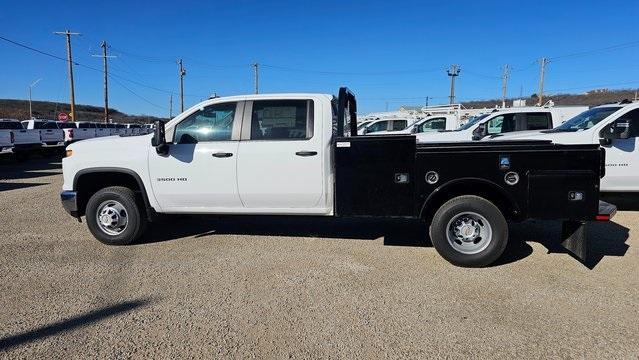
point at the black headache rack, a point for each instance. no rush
(346, 106)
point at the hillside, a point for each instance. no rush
(19, 109)
(591, 98)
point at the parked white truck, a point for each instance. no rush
(51, 135)
(25, 142)
(615, 127)
(503, 121)
(299, 154)
(6, 141)
(78, 130)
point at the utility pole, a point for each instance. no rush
(453, 72)
(427, 97)
(104, 57)
(37, 81)
(68, 34)
(171, 106)
(256, 77)
(542, 62)
(504, 84)
(182, 73)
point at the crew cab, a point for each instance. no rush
(615, 127)
(300, 155)
(76, 131)
(25, 142)
(51, 135)
(384, 125)
(506, 120)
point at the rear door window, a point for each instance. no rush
(399, 125)
(538, 121)
(282, 119)
(11, 125)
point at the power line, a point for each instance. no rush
(596, 51)
(324, 72)
(136, 94)
(98, 70)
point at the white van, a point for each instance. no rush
(615, 127)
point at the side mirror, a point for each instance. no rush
(159, 139)
(413, 130)
(619, 129)
(479, 132)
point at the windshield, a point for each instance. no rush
(587, 119)
(11, 125)
(363, 125)
(472, 121)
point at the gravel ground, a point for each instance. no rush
(300, 288)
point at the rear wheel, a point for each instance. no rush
(114, 216)
(469, 231)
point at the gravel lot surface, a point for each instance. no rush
(301, 288)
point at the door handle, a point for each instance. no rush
(306, 153)
(222, 154)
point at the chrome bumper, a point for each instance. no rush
(69, 202)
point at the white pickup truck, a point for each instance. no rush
(430, 123)
(6, 140)
(51, 135)
(25, 142)
(615, 127)
(504, 121)
(76, 131)
(299, 154)
(379, 126)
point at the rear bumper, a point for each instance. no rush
(52, 144)
(69, 202)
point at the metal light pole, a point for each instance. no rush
(31, 87)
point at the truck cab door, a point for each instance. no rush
(281, 157)
(198, 174)
(622, 159)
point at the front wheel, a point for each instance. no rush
(469, 231)
(114, 216)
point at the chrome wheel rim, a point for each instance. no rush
(112, 217)
(469, 233)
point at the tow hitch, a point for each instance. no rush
(574, 235)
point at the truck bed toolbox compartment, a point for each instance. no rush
(374, 176)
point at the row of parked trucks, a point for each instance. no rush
(304, 155)
(23, 138)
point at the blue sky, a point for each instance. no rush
(394, 52)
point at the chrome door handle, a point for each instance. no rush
(222, 154)
(306, 153)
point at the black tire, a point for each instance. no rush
(469, 204)
(136, 216)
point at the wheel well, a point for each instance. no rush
(89, 183)
(486, 190)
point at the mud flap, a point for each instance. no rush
(574, 239)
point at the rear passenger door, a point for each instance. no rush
(280, 157)
(398, 125)
(538, 121)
